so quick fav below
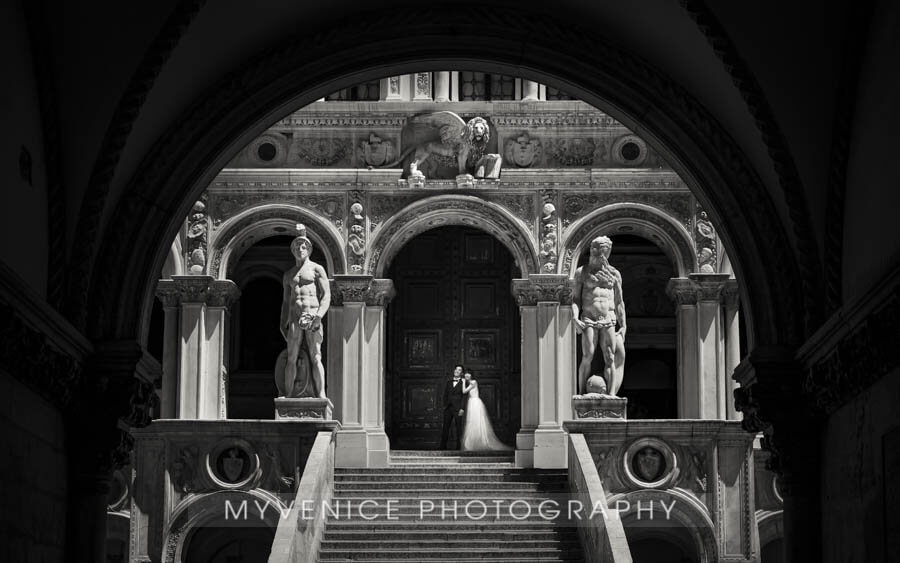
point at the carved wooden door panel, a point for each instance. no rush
(453, 306)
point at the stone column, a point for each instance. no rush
(361, 300)
(442, 86)
(170, 299)
(731, 302)
(529, 91)
(682, 291)
(713, 381)
(702, 382)
(200, 376)
(117, 393)
(548, 369)
(772, 400)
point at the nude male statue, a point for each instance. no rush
(307, 296)
(598, 305)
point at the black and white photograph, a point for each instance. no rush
(498, 281)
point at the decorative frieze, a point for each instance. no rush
(223, 206)
(323, 152)
(575, 205)
(572, 152)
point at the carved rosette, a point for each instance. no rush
(361, 289)
(540, 288)
(197, 289)
(197, 238)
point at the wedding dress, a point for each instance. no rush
(478, 434)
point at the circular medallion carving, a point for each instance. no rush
(629, 150)
(232, 463)
(268, 150)
(650, 463)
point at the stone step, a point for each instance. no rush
(441, 474)
(449, 453)
(504, 553)
(549, 559)
(454, 534)
(440, 526)
(451, 461)
(451, 466)
(462, 542)
(455, 487)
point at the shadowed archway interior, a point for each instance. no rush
(453, 306)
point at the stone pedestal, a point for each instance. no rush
(595, 405)
(303, 408)
(548, 369)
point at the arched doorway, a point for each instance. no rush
(229, 544)
(453, 306)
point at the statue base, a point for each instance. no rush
(597, 405)
(303, 408)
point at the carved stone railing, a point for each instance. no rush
(299, 535)
(208, 473)
(603, 540)
(693, 475)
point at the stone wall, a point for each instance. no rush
(32, 476)
(860, 489)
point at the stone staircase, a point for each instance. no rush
(416, 479)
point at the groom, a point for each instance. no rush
(453, 407)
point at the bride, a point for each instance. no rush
(478, 434)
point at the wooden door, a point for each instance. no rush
(453, 305)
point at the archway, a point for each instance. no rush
(453, 306)
(668, 117)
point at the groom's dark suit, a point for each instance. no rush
(453, 403)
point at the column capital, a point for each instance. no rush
(197, 289)
(539, 288)
(682, 291)
(361, 289)
(731, 295)
(709, 286)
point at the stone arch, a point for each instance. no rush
(688, 512)
(196, 511)
(238, 233)
(304, 68)
(770, 525)
(443, 210)
(630, 218)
